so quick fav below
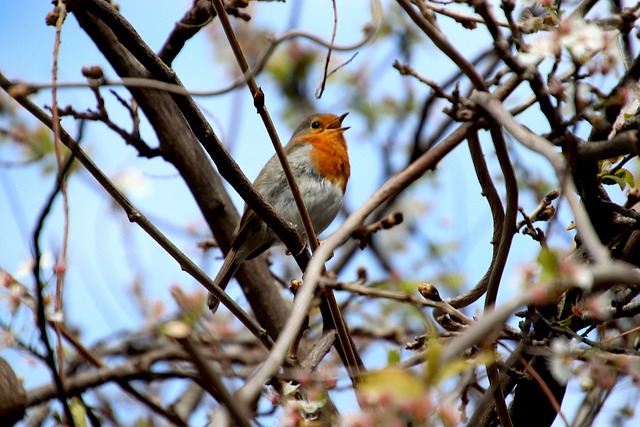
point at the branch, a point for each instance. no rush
(126, 372)
(503, 49)
(196, 18)
(304, 297)
(622, 144)
(210, 380)
(333, 318)
(135, 216)
(509, 229)
(542, 146)
(41, 316)
(400, 297)
(444, 45)
(177, 122)
(323, 83)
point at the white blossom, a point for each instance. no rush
(631, 105)
(132, 181)
(561, 359)
(582, 39)
(583, 278)
(25, 268)
(289, 389)
(55, 316)
(312, 406)
(542, 47)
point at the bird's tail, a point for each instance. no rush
(228, 269)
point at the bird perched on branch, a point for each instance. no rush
(317, 155)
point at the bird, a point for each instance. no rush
(318, 157)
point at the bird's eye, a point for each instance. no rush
(315, 125)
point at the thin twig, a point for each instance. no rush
(511, 213)
(444, 45)
(505, 231)
(210, 379)
(545, 388)
(61, 262)
(400, 297)
(305, 295)
(352, 360)
(436, 89)
(257, 93)
(41, 313)
(460, 17)
(320, 89)
(498, 394)
(134, 215)
(588, 235)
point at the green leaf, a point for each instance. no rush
(143, 422)
(548, 260)
(622, 178)
(627, 176)
(78, 412)
(613, 180)
(393, 357)
(461, 365)
(401, 386)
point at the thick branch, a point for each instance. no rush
(130, 57)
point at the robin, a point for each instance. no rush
(317, 154)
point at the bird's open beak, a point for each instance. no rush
(337, 123)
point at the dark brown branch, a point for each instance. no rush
(197, 17)
(444, 45)
(536, 82)
(131, 57)
(12, 397)
(41, 320)
(94, 378)
(325, 74)
(135, 216)
(620, 145)
(210, 380)
(330, 310)
(511, 213)
(504, 230)
(497, 212)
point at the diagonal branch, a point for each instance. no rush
(330, 307)
(313, 275)
(178, 122)
(134, 215)
(585, 229)
(444, 45)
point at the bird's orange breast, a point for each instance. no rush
(330, 157)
